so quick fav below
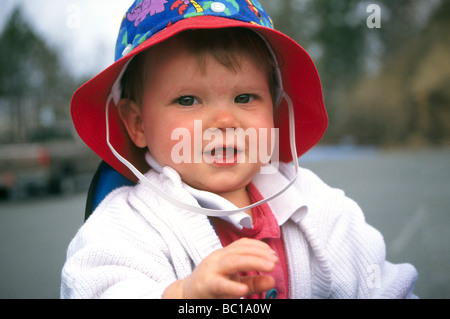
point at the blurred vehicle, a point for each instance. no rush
(45, 165)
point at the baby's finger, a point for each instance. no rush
(258, 284)
(251, 247)
(235, 263)
(251, 244)
(226, 288)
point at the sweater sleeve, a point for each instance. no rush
(116, 255)
(348, 256)
(357, 255)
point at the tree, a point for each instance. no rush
(31, 78)
(344, 48)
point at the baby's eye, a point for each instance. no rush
(187, 100)
(244, 98)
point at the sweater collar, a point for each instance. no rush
(204, 198)
(290, 204)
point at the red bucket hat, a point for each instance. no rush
(149, 22)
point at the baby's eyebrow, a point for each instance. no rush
(171, 92)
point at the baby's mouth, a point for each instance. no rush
(223, 152)
(223, 155)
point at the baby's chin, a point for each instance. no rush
(218, 180)
(220, 186)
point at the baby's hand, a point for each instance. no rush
(217, 276)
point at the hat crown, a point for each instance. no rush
(145, 18)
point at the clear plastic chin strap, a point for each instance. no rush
(196, 209)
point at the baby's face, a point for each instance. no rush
(212, 127)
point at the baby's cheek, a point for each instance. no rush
(161, 150)
(174, 146)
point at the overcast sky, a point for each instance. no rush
(84, 30)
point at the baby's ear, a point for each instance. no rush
(131, 116)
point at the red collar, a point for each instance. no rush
(265, 225)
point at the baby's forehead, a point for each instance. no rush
(202, 47)
(229, 46)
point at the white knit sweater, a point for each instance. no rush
(136, 244)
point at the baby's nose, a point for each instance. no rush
(223, 117)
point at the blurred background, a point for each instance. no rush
(385, 73)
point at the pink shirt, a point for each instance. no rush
(265, 228)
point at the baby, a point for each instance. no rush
(205, 108)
